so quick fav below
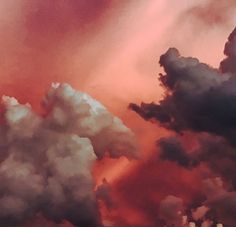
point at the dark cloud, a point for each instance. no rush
(228, 64)
(220, 157)
(220, 201)
(214, 151)
(103, 193)
(200, 100)
(172, 150)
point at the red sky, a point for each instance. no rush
(109, 49)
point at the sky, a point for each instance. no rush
(110, 49)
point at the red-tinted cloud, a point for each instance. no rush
(212, 13)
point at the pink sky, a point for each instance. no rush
(114, 58)
(112, 54)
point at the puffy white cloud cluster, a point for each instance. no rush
(76, 112)
(46, 162)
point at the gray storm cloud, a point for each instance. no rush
(228, 64)
(46, 162)
(201, 101)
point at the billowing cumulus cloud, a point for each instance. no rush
(194, 92)
(46, 162)
(89, 43)
(228, 64)
(201, 101)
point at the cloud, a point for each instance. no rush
(171, 149)
(228, 64)
(201, 101)
(212, 12)
(171, 209)
(198, 98)
(221, 201)
(103, 193)
(46, 162)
